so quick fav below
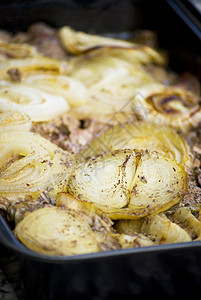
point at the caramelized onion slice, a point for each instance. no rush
(15, 50)
(35, 64)
(73, 227)
(175, 107)
(78, 42)
(64, 231)
(189, 221)
(37, 104)
(164, 231)
(141, 135)
(14, 121)
(158, 228)
(129, 184)
(30, 165)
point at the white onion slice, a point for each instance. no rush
(38, 105)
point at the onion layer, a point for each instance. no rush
(158, 227)
(71, 89)
(15, 50)
(30, 165)
(115, 83)
(38, 105)
(79, 42)
(14, 121)
(130, 184)
(67, 231)
(173, 106)
(141, 135)
(105, 180)
(33, 64)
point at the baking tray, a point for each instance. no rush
(166, 271)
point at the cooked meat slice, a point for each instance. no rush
(68, 132)
(192, 199)
(44, 38)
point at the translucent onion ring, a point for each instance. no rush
(73, 90)
(33, 64)
(141, 135)
(158, 227)
(67, 231)
(78, 42)
(14, 121)
(16, 50)
(115, 85)
(37, 104)
(30, 165)
(129, 184)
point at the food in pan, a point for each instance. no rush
(73, 227)
(31, 165)
(141, 135)
(99, 144)
(129, 183)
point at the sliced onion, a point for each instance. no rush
(188, 221)
(14, 121)
(64, 231)
(106, 180)
(30, 165)
(158, 228)
(15, 50)
(115, 86)
(173, 106)
(141, 135)
(38, 105)
(71, 89)
(120, 89)
(33, 64)
(130, 184)
(79, 42)
(164, 231)
(159, 183)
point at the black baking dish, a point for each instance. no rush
(160, 271)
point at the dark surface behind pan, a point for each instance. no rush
(164, 271)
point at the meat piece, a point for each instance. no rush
(14, 74)
(192, 199)
(20, 37)
(68, 132)
(45, 39)
(80, 137)
(56, 130)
